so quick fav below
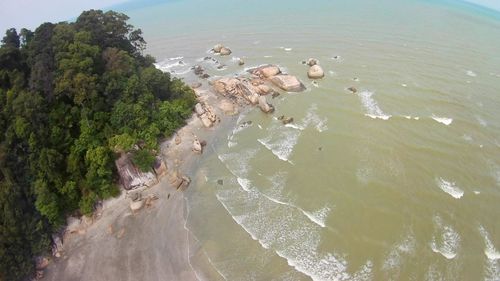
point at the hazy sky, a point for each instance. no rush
(31, 13)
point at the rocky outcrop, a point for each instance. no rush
(130, 176)
(315, 72)
(288, 83)
(206, 114)
(264, 105)
(265, 71)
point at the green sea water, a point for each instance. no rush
(399, 181)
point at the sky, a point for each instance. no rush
(31, 13)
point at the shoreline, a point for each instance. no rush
(130, 239)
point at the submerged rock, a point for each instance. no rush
(352, 90)
(315, 72)
(288, 83)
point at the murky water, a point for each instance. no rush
(399, 181)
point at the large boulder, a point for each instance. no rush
(130, 176)
(315, 72)
(197, 148)
(263, 89)
(264, 105)
(136, 205)
(288, 83)
(266, 71)
(225, 51)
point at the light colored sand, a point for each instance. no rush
(151, 244)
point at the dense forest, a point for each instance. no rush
(73, 96)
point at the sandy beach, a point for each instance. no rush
(149, 244)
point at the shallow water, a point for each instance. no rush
(400, 181)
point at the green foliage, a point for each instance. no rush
(72, 97)
(143, 159)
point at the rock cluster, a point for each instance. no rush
(315, 71)
(221, 49)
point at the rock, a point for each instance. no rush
(264, 105)
(196, 85)
(177, 139)
(197, 148)
(266, 71)
(352, 90)
(57, 245)
(275, 95)
(130, 176)
(160, 167)
(225, 51)
(72, 224)
(241, 62)
(287, 120)
(198, 70)
(218, 48)
(263, 89)
(205, 76)
(39, 274)
(41, 262)
(312, 62)
(136, 205)
(227, 107)
(198, 108)
(221, 67)
(220, 182)
(288, 83)
(315, 72)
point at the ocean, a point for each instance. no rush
(398, 181)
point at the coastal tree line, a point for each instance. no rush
(73, 96)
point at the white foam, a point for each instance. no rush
(477, 192)
(281, 141)
(231, 144)
(447, 241)
(471, 73)
(175, 58)
(443, 120)
(490, 251)
(289, 234)
(404, 85)
(312, 118)
(260, 127)
(398, 253)
(268, 56)
(481, 121)
(451, 188)
(371, 106)
(319, 216)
